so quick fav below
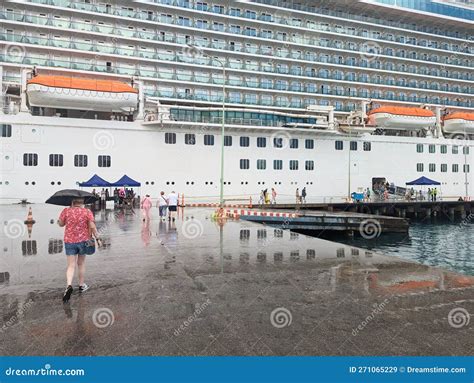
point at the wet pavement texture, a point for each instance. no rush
(200, 287)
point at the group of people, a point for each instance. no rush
(267, 198)
(300, 198)
(167, 205)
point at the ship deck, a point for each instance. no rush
(200, 287)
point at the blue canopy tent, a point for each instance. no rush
(95, 181)
(126, 181)
(423, 181)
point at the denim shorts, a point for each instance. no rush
(80, 248)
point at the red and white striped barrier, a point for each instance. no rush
(215, 205)
(239, 213)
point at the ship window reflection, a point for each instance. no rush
(28, 247)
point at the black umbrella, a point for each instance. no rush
(65, 197)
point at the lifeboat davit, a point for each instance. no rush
(401, 118)
(79, 93)
(459, 122)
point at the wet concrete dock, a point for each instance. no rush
(198, 287)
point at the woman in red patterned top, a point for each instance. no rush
(78, 242)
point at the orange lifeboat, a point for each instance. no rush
(81, 93)
(459, 122)
(402, 118)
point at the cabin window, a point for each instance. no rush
(245, 164)
(277, 164)
(309, 144)
(465, 150)
(104, 161)
(444, 168)
(466, 168)
(293, 164)
(30, 159)
(170, 138)
(80, 160)
(444, 149)
(353, 145)
(419, 168)
(227, 140)
(208, 140)
(432, 168)
(261, 164)
(432, 148)
(419, 148)
(367, 146)
(455, 149)
(261, 142)
(294, 143)
(6, 130)
(278, 142)
(245, 142)
(190, 139)
(309, 165)
(455, 168)
(56, 160)
(339, 145)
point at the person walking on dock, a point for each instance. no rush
(274, 195)
(303, 195)
(145, 206)
(172, 206)
(79, 234)
(435, 194)
(298, 198)
(162, 205)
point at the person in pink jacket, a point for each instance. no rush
(146, 206)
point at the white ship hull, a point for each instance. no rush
(79, 99)
(139, 150)
(400, 122)
(459, 126)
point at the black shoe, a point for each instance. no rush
(67, 294)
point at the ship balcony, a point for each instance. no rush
(255, 32)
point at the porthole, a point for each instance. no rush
(52, 182)
(7, 157)
(147, 183)
(7, 183)
(33, 130)
(59, 182)
(33, 183)
(167, 183)
(27, 183)
(152, 182)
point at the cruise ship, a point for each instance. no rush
(190, 96)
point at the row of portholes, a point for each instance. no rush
(5, 183)
(33, 183)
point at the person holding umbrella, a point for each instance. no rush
(79, 234)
